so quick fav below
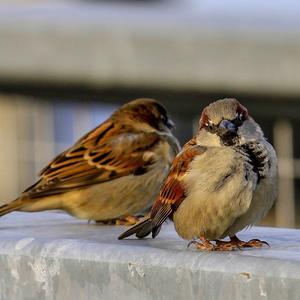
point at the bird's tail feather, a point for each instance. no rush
(141, 229)
(10, 207)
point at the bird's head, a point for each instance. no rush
(146, 114)
(226, 123)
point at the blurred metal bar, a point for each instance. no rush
(297, 168)
(25, 149)
(285, 206)
(195, 126)
(43, 135)
(82, 122)
(9, 145)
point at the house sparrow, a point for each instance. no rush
(222, 181)
(114, 172)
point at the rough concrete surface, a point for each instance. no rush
(54, 256)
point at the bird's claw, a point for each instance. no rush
(233, 244)
(202, 245)
(190, 243)
(226, 246)
(254, 243)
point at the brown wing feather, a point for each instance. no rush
(107, 152)
(173, 191)
(171, 195)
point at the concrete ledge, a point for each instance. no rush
(200, 45)
(54, 256)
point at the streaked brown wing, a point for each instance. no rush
(107, 152)
(173, 191)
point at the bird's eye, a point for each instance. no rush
(241, 113)
(209, 123)
(239, 116)
(163, 118)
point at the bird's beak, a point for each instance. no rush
(227, 127)
(170, 124)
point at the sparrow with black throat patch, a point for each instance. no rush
(111, 174)
(223, 180)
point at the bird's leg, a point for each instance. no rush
(254, 243)
(203, 244)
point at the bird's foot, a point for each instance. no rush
(202, 244)
(226, 246)
(106, 222)
(235, 243)
(254, 243)
(127, 221)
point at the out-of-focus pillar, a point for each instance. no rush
(8, 150)
(285, 206)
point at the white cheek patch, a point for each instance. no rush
(208, 139)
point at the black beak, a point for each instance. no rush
(227, 128)
(170, 124)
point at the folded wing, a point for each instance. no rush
(171, 195)
(107, 152)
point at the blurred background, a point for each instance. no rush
(66, 65)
